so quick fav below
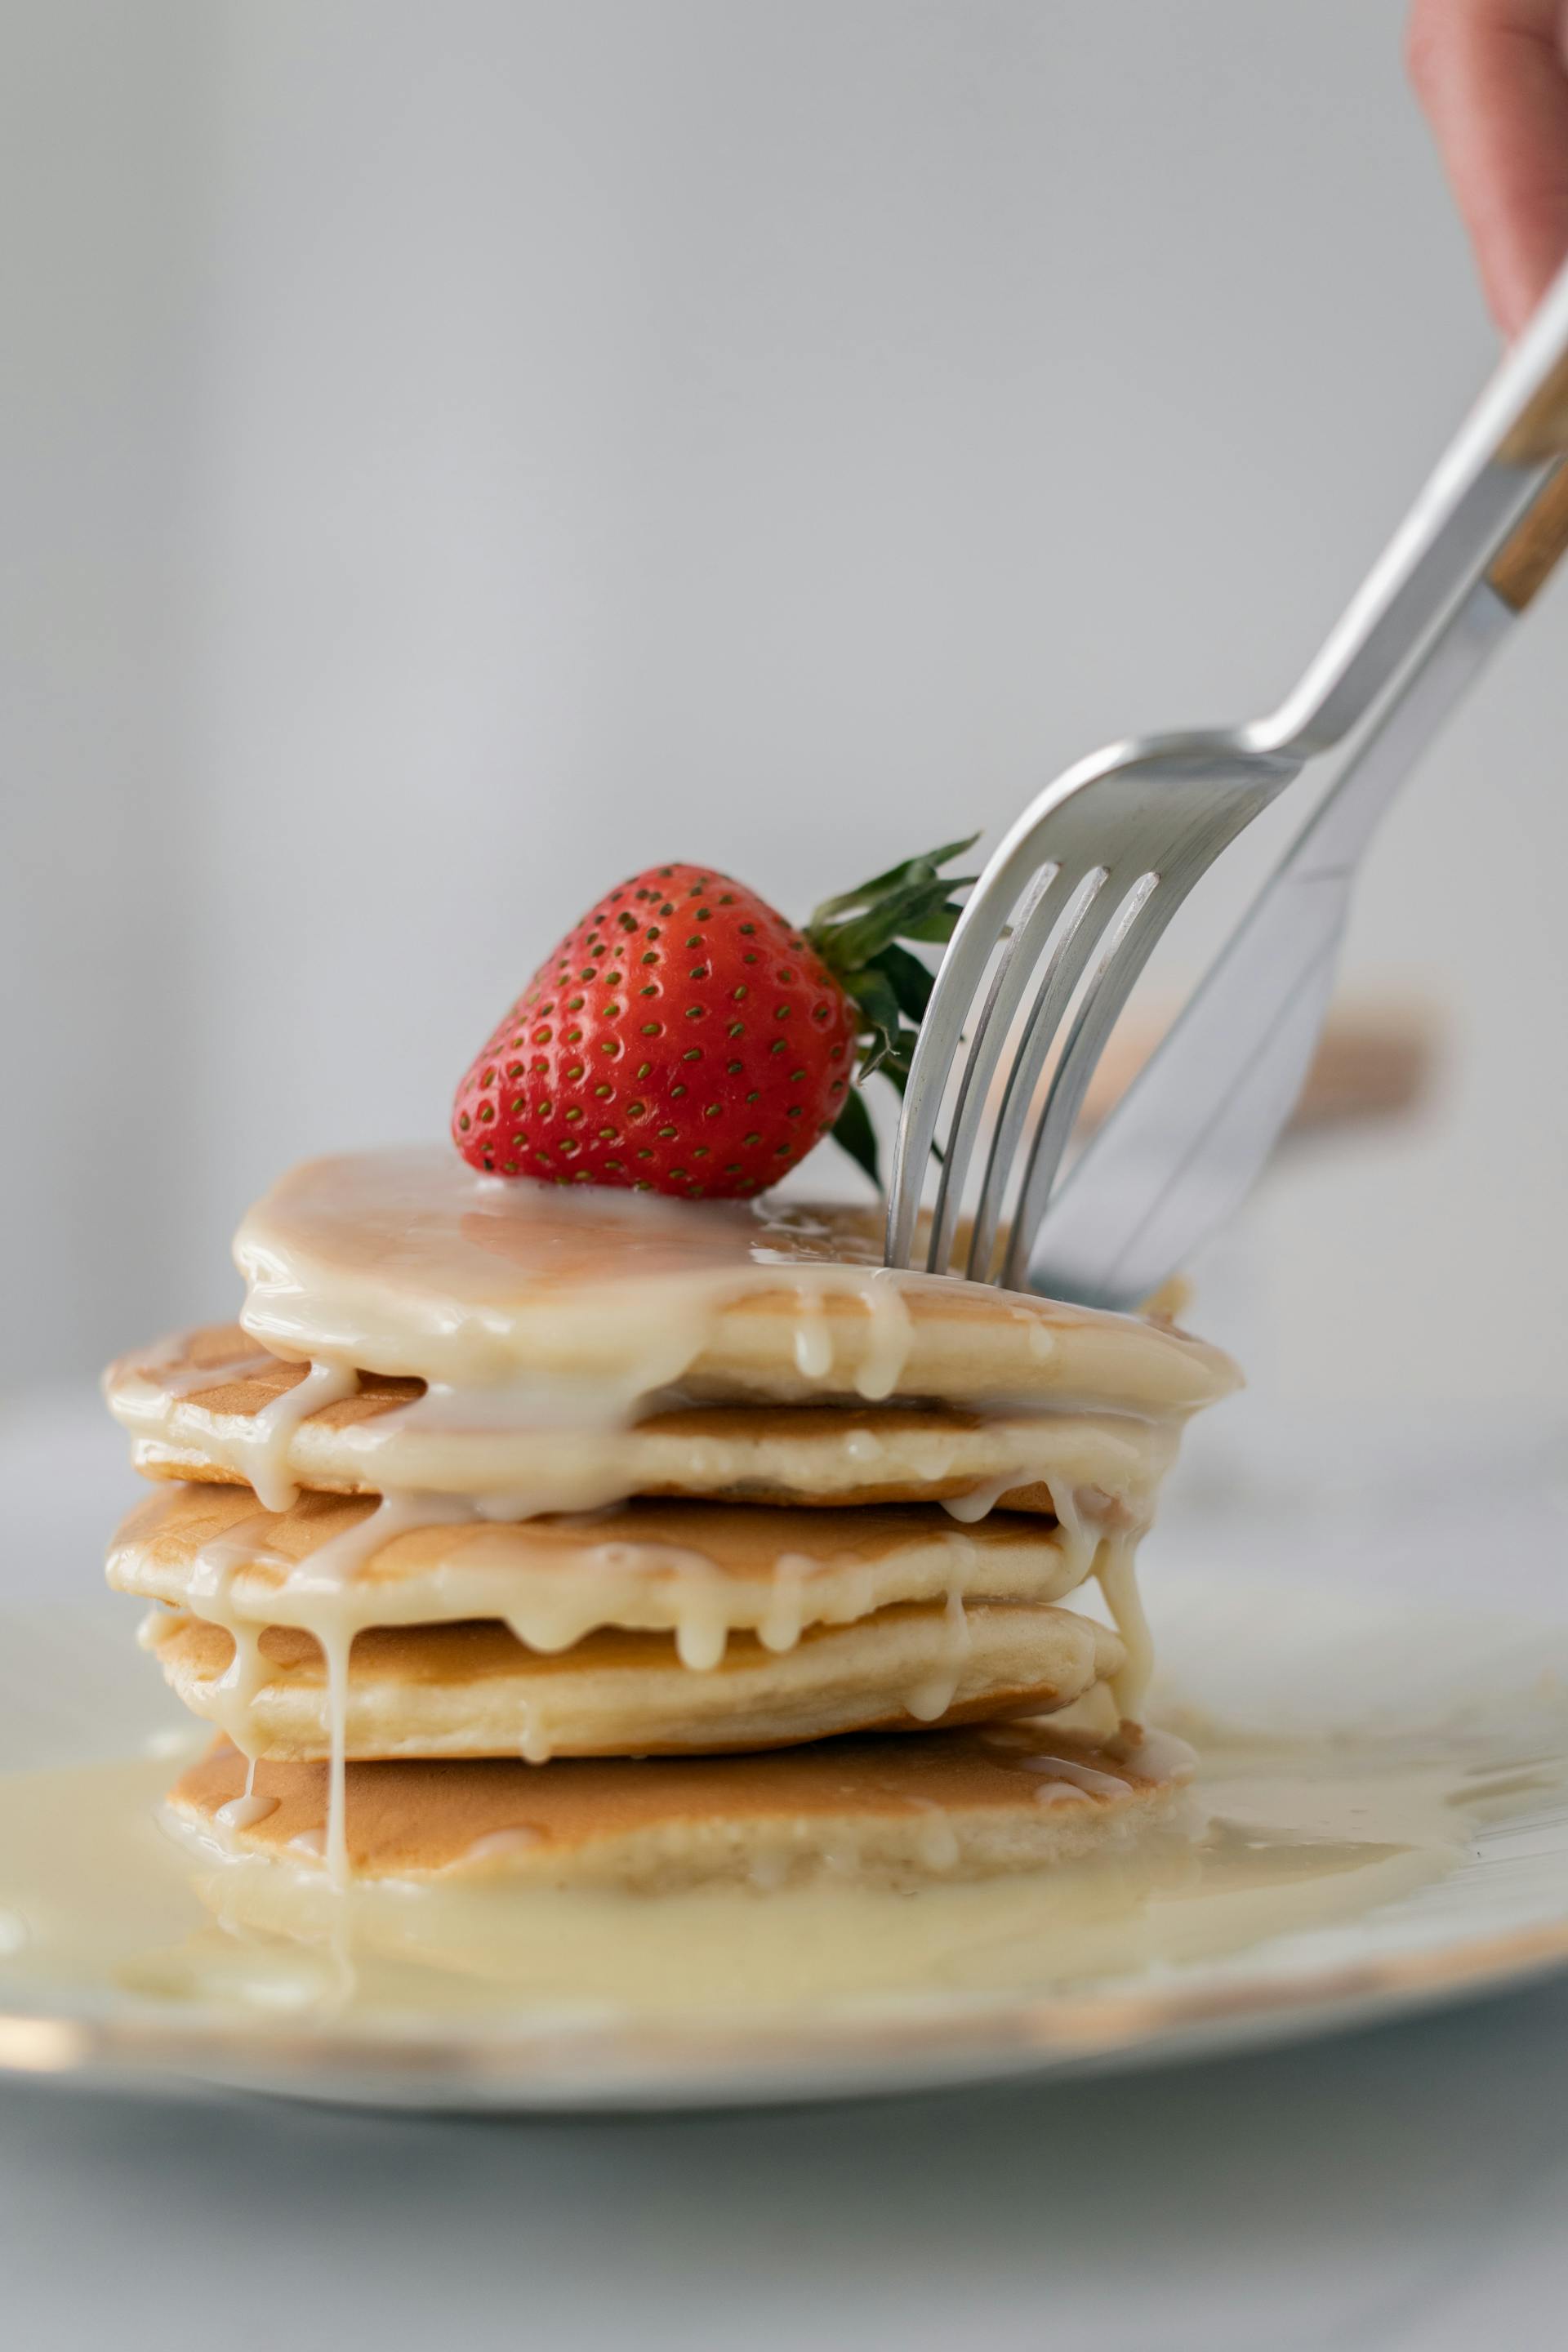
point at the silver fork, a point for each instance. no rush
(1070, 907)
(1183, 1147)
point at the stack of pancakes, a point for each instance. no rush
(582, 1535)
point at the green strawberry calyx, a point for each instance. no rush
(864, 937)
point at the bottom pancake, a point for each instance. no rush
(947, 1805)
(473, 1690)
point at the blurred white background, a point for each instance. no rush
(456, 454)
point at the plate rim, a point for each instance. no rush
(775, 2059)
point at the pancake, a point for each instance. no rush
(473, 1690)
(957, 1805)
(698, 1570)
(583, 1304)
(200, 1406)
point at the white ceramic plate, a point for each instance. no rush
(1313, 1646)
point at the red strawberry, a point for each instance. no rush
(685, 1038)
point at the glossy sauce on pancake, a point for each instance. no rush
(569, 1305)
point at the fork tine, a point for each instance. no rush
(1033, 924)
(977, 934)
(1143, 917)
(1099, 896)
(1014, 865)
(1140, 780)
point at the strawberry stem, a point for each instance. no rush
(863, 936)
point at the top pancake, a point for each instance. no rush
(577, 1302)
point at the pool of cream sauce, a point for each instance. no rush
(98, 1900)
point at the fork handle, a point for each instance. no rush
(1526, 560)
(1477, 496)
(1541, 434)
